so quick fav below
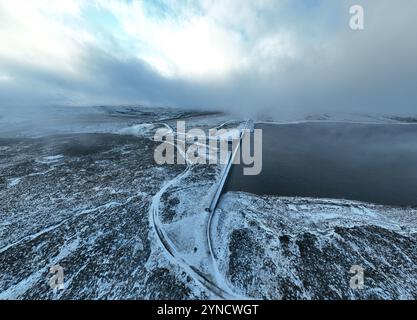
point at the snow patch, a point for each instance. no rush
(14, 182)
(138, 130)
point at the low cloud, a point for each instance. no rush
(266, 57)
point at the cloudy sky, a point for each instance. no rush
(264, 56)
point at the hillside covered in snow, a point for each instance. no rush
(80, 188)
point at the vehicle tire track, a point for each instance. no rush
(170, 249)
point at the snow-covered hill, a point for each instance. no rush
(81, 189)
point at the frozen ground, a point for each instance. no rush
(80, 188)
(295, 248)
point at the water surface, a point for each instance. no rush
(365, 162)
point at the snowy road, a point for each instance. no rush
(210, 278)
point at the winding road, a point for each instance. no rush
(212, 281)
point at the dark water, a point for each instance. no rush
(372, 163)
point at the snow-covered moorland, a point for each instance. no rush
(80, 188)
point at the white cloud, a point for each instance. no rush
(198, 48)
(5, 77)
(269, 54)
(35, 36)
(214, 40)
(206, 42)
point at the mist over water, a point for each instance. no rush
(371, 163)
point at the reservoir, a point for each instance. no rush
(374, 163)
